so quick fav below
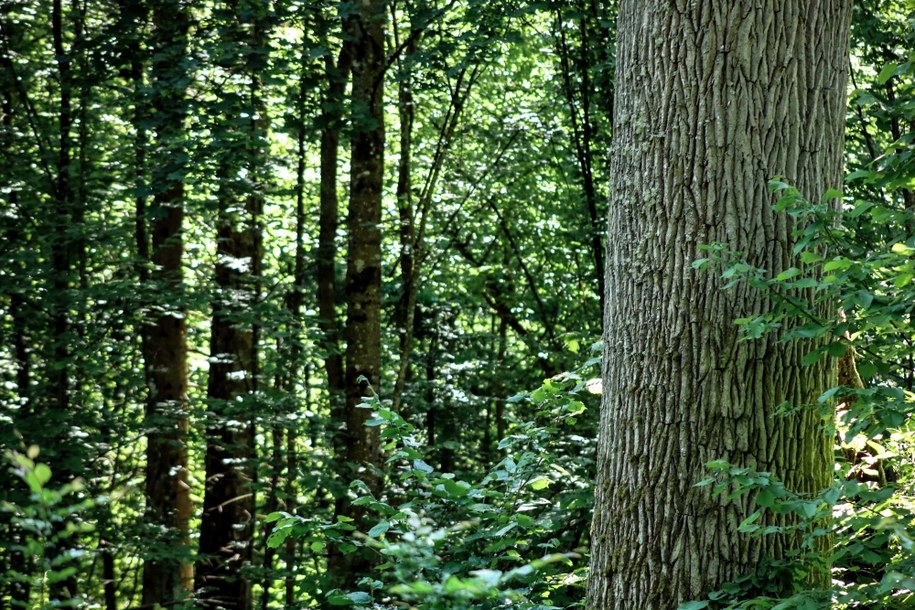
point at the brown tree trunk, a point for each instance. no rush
(328, 220)
(167, 577)
(16, 561)
(363, 272)
(227, 523)
(713, 99)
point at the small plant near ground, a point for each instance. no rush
(48, 517)
(512, 538)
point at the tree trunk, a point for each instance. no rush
(227, 524)
(167, 576)
(363, 272)
(328, 220)
(65, 452)
(713, 99)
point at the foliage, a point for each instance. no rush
(514, 536)
(49, 522)
(850, 296)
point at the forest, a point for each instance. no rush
(457, 304)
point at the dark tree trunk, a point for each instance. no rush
(578, 91)
(60, 362)
(167, 573)
(363, 272)
(326, 264)
(713, 99)
(227, 523)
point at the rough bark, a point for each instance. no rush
(16, 561)
(167, 577)
(363, 273)
(713, 99)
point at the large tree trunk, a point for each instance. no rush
(363, 272)
(166, 577)
(713, 99)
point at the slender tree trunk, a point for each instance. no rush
(407, 230)
(363, 272)
(412, 237)
(60, 363)
(291, 351)
(713, 99)
(578, 100)
(167, 573)
(16, 561)
(227, 524)
(328, 221)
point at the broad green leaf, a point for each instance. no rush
(43, 473)
(379, 529)
(539, 483)
(811, 357)
(903, 249)
(888, 72)
(422, 466)
(693, 605)
(787, 274)
(837, 264)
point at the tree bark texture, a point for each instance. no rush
(363, 272)
(713, 99)
(167, 578)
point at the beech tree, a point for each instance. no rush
(712, 100)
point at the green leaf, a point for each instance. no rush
(539, 483)
(787, 274)
(278, 537)
(831, 194)
(765, 498)
(808, 257)
(867, 370)
(811, 357)
(43, 473)
(807, 282)
(422, 466)
(836, 349)
(379, 529)
(888, 72)
(275, 517)
(903, 249)
(456, 489)
(837, 264)
(693, 605)
(350, 599)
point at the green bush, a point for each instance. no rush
(48, 526)
(514, 537)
